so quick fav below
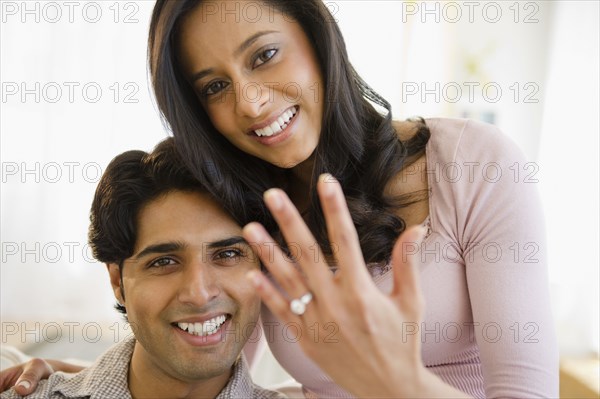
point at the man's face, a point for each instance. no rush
(188, 272)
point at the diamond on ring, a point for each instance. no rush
(298, 306)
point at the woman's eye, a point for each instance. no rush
(214, 88)
(265, 56)
(162, 262)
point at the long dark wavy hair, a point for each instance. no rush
(363, 161)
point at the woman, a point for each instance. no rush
(273, 101)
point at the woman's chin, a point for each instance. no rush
(285, 164)
(290, 161)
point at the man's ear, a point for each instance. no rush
(115, 281)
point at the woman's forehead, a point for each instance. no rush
(230, 19)
(216, 30)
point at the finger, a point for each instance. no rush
(296, 233)
(9, 376)
(281, 267)
(33, 372)
(285, 274)
(341, 230)
(272, 298)
(405, 262)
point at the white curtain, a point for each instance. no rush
(74, 95)
(569, 173)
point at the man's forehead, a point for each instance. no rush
(187, 217)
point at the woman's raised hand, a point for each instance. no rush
(374, 351)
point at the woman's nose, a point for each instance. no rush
(250, 99)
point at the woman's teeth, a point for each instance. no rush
(209, 327)
(280, 124)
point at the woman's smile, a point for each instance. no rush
(279, 130)
(275, 124)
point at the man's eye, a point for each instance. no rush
(265, 56)
(214, 88)
(162, 262)
(229, 254)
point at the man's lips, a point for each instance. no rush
(201, 318)
(202, 326)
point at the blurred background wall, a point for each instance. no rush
(75, 93)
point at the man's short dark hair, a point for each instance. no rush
(132, 180)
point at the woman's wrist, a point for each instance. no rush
(428, 385)
(419, 382)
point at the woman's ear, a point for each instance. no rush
(115, 280)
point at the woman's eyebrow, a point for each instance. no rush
(247, 43)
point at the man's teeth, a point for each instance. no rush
(277, 126)
(209, 327)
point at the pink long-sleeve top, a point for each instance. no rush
(487, 328)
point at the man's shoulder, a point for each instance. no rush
(106, 378)
(261, 393)
(240, 384)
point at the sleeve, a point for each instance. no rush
(10, 394)
(502, 234)
(43, 391)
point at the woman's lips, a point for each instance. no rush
(282, 135)
(278, 124)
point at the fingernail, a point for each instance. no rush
(253, 232)
(327, 187)
(254, 278)
(273, 199)
(25, 384)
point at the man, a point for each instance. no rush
(177, 264)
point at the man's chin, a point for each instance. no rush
(200, 368)
(181, 361)
(193, 362)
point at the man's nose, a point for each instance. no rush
(198, 285)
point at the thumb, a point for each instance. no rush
(405, 262)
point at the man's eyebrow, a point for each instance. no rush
(161, 248)
(226, 242)
(247, 43)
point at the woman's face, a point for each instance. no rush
(257, 77)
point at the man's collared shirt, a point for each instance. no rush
(107, 379)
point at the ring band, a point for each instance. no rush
(298, 306)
